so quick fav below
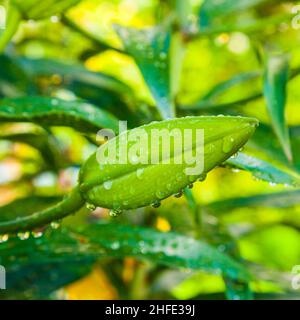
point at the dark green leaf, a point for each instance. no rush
(151, 48)
(273, 200)
(55, 112)
(35, 9)
(263, 170)
(212, 9)
(275, 82)
(114, 240)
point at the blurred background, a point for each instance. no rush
(252, 212)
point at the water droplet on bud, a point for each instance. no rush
(178, 194)
(115, 213)
(54, 225)
(107, 185)
(156, 204)
(90, 206)
(202, 177)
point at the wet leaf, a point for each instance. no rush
(263, 170)
(150, 49)
(56, 112)
(275, 83)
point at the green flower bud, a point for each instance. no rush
(134, 181)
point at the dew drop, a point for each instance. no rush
(191, 185)
(54, 225)
(115, 245)
(228, 143)
(178, 194)
(4, 238)
(160, 194)
(90, 206)
(107, 185)
(156, 204)
(23, 235)
(169, 186)
(37, 234)
(115, 213)
(139, 173)
(179, 177)
(202, 177)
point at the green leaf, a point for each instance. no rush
(55, 112)
(211, 99)
(40, 140)
(151, 49)
(13, 80)
(263, 170)
(275, 83)
(54, 249)
(212, 9)
(72, 72)
(40, 280)
(35, 9)
(285, 199)
(100, 89)
(34, 273)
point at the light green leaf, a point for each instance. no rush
(263, 170)
(151, 48)
(35, 9)
(275, 83)
(212, 9)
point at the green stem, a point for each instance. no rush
(13, 21)
(67, 206)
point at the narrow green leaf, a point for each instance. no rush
(13, 79)
(285, 199)
(212, 9)
(72, 72)
(40, 140)
(116, 240)
(211, 99)
(210, 104)
(35, 9)
(263, 170)
(55, 112)
(171, 249)
(275, 83)
(151, 48)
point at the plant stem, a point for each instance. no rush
(13, 21)
(67, 206)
